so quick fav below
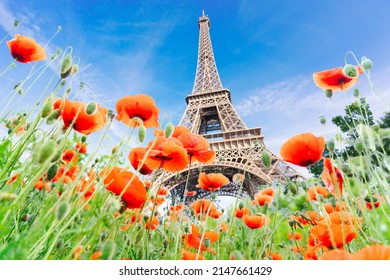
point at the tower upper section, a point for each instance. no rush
(207, 77)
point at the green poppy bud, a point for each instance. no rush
(330, 145)
(66, 66)
(47, 108)
(366, 63)
(266, 159)
(359, 147)
(141, 133)
(293, 188)
(207, 242)
(83, 139)
(75, 69)
(46, 151)
(241, 205)
(16, 23)
(356, 92)
(322, 120)
(108, 250)
(62, 210)
(53, 116)
(52, 172)
(91, 108)
(350, 71)
(346, 168)
(168, 130)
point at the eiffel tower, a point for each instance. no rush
(238, 148)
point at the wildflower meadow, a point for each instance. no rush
(64, 197)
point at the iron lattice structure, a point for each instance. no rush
(238, 148)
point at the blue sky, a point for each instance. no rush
(266, 53)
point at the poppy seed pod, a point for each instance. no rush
(346, 168)
(62, 210)
(53, 116)
(52, 172)
(366, 63)
(329, 93)
(350, 71)
(266, 159)
(322, 120)
(91, 108)
(359, 147)
(66, 66)
(141, 133)
(168, 130)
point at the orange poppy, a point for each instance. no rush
(168, 154)
(334, 79)
(203, 206)
(373, 252)
(303, 149)
(212, 182)
(317, 190)
(25, 49)
(75, 112)
(294, 236)
(337, 254)
(336, 230)
(87, 186)
(163, 191)
(191, 193)
(256, 221)
(13, 179)
(97, 256)
(223, 228)
(132, 109)
(274, 256)
(152, 223)
(81, 147)
(39, 185)
(332, 177)
(187, 255)
(197, 147)
(193, 240)
(69, 156)
(241, 212)
(136, 156)
(338, 207)
(66, 174)
(124, 183)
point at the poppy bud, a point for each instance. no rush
(339, 137)
(213, 196)
(356, 92)
(16, 23)
(366, 63)
(113, 205)
(323, 120)
(75, 69)
(206, 242)
(241, 205)
(346, 168)
(66, 66)
(350, 71)
(62, 210)
(141, 133)
(53, 116)
(329, 93)
(168, 130)
(293, 188)
(59, 243)
(108, 250)
(220, 158)
(7, 196)
(359, 147)
(266, 159)
(333, 202)
(330, 145)
(91, 108)
(108, 220)
(52, 172)
(83, 139)
(59, 28)
(115, 149)
(47, 108)
(46, 151)
(20, 91)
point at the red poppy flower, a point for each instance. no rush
(131, 109)
(87, 186)
(75, 112)
(295, 236)
(124, 183)
(332, 178)
(193, 240)
(203, 206)
(25, 49)
(212, 182)
(191, 193)
(303, 149)
(69, 156)
(136, 156)
(256, 221)
(317, 190)
(242, 212)
(197, 147)
(81, 147)
(152, 223)
(334, 79)
(337, 254)
(40, 185)
(168, 154)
